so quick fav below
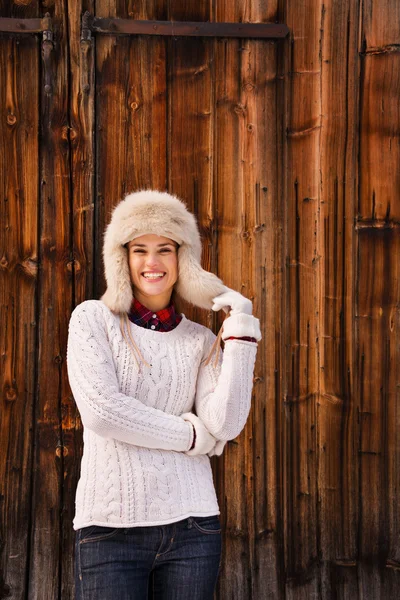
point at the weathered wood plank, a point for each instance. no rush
(261, 280)
(379, 200)
(19, 185)
(130, 115)
(80, 261)
(55, 299)
(261, 220)
(378, 341)
(301, 302)
(338, 403)
(379, 146)
(190, 141)
(381, 25)
(228, 188)
(378, 295)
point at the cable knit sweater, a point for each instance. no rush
(135, 470)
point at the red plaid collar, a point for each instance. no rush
(161, 320)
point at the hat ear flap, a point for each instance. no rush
(194, 284)
(119, 295)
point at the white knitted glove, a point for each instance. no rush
(233, 301)
(205, 442)
(241, 322)
(218, 448)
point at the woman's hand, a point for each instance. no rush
(205, 442)
(233, 301)
(240, 323)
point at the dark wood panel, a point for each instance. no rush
(80, 261)
(309, 490)
(190, 152)
(338, 402)
(261, 280)
(238, 517)
(378, 341)
(130, 117)
(381, 25)
(302, 298)
(249, 242)
(379, 200)
(52, 401)
(378, 296)
(19, 263)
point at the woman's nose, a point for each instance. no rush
(152, 260)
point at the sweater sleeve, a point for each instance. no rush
(103, 408)
(223, 393)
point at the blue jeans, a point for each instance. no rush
(179, 561)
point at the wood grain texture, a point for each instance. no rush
(19, 264)
(288, 154)
(378, 295)
(80, 260)
(249, 234)
(52, 401)
(190, 131)
(130, 116)
(337, 416)
(302, 301)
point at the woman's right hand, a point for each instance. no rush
(205, 441)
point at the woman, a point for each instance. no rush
(154, 407)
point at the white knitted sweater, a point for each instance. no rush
(135, 470)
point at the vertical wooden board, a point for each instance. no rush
(190, 132)
(261, 280)
(190, 141)
(235, 579)
(80, 261)
(302, 200)
(250, 222)
(81, 57)
(263, 265)
(260, 131)
(378, 339)
(130, 116)
(54, 298)
(337, 411)
(379, 137)
(378, 298)
(19, 185)
(381, 24)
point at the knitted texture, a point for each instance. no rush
(135, 468)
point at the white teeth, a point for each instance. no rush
(153, 275)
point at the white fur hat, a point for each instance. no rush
(151, 211)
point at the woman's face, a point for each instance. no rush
(153, 266)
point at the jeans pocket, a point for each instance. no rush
(210, 525)
(96, 533)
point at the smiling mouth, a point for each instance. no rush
(153, 276)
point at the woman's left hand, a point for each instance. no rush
(233, 301)
(218, 448)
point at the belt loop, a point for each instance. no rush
(190, 522)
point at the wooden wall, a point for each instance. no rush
(289, 154)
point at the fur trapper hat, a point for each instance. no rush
(151, 211)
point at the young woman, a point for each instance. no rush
(157, 398)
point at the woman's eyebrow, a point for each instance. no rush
(159, 245)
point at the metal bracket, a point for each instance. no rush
(86, 32)
(47, 50)
(43, 26)
(111, 26)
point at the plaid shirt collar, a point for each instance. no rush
(161, 320)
